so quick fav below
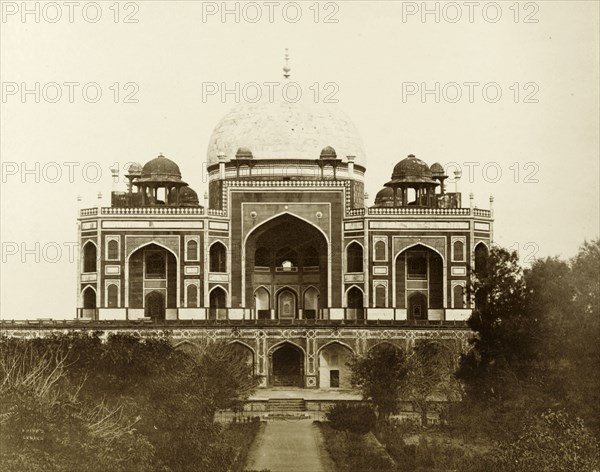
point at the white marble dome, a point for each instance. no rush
(284, 130)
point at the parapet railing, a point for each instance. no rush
(353, 212)
(419, 211)
(158, 210)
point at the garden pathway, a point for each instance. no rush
(290, 446)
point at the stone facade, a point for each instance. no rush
(284, 237)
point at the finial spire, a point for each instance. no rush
(286, 67)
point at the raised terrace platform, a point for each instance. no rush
(303, 354)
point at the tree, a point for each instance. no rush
(499, 320)
(536, 345)
(560, 295)
(586, 277)
(431, 376)
(380, 375)
(497, 372)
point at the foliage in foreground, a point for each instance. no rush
(381, 375)
(536, 345)
(73, 402)
(354, 453)
(354, 419)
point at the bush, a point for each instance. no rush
(556, 442)
(354, 453)
(352, 418)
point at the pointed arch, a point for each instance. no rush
(89, 297)
(90, 256)
(354, 257)
(380, 250)
(382, 344)
(112, 295)
(217, 257)
(481, 252)
(336, 341)
(458, 296)
(246, 353)
(262, 302)
(191, 249)
(287, 364)
(191, 295)
(287, 303)
(150, 243)
(217, 297)
(333, 358)
(134, 273)
(286, 228)
(380, 295)
(425, 245)
(112, 250)
(355, 303)
(458, 250)
(262, 223)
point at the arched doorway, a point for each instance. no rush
(287, 251)
(286, 305)
(417, 306)
(333, 369)
(420, 282)
(287, 366)
(152, 268)
(217, 301)
(311, 304)
(262, 304)
(89, 303)
(155, 306)
(356, 309)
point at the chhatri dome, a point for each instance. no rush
(280, 129)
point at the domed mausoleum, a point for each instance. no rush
(283, 256)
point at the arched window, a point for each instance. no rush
(192, 250)
(156, 265)
(262, 257)
(112, 250)
(112, 296)
(218, 258)
(380, 251)
(355, 258)
(481, 257)
(89, 257)
(459, 299)
(89, 298)
(380, 301)
(192, 296)
(459, 251)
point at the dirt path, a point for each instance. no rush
(290, 446)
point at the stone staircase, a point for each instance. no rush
(286, 406)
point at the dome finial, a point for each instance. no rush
(286, 67)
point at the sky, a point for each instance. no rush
(506, 92)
